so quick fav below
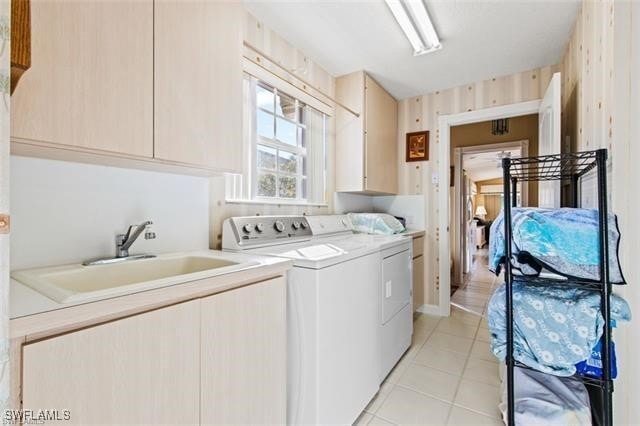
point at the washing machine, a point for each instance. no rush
(333, 333)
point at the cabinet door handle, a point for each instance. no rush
(387, 289)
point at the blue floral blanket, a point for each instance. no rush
(563, 241)
(555, 326)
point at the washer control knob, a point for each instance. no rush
(278, 226)
(246, 228)
(303, 224)
(259, 227)
(295, 225)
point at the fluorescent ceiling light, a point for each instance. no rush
(413, 18)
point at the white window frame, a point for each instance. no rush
(241, 188)
(303, 182)
(274, 143)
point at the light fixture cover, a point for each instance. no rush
(413, 18)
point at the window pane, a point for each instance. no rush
(286, 132)
(264, 124)
(286, 106)
(266, 157)
(264, 98)
(266, 185)
(288, 187)
(287, 162)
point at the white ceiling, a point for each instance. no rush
(485, 165)
(481, 39)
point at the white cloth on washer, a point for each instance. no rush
(375, 223)
(544, 399)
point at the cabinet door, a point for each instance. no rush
(419, 294)
(90, 84)
(350, 133)
(244, 355)
(142, 369)
(381, 153)
(198, 83)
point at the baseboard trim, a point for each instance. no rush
(430, 310)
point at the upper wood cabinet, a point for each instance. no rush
(366, 146)
(90, 84)
(157, 82)
(198, 83)
(20, 39)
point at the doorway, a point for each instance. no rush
(477, 164)
(477, 201)
(549, 107)
(476, 151)
(445, 124)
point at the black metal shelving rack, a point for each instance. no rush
(567, 168)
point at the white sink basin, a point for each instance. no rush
(76, 283)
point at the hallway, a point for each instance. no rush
(474, 293)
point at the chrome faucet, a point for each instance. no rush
(124, 242)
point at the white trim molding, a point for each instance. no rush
(445, 122)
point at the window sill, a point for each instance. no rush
(278, 203)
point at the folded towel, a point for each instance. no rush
(542, 399)
(555, 326)
(562, 241)
(375, 223)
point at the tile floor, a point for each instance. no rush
(448, 376)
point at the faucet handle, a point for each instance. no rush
(149, 234)
(120, 239)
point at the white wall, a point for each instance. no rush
(352, 203)
(411, 207)
(64, 212)
(422, 113)
(625, 152)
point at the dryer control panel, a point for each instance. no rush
(330, 224)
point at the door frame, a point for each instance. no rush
(458, 222)
(445, 122)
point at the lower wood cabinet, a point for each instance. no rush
(142, 369)
(243, 356)
(419, 296)
(216, 360)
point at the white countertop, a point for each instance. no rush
(415, 233)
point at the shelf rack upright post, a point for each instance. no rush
(570, 168)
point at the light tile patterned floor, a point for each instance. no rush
(448, 376)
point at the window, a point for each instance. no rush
(288, 146)
(280, 148)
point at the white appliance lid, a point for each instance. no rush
(321, 252)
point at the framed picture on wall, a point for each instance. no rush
(418, 146)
